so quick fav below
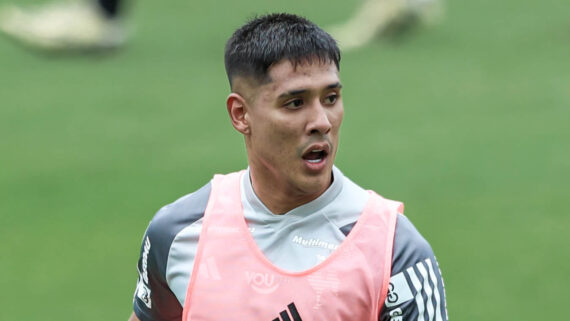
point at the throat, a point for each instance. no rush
(280, 200)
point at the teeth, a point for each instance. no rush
(318, 160)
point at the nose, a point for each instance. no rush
(319, 122)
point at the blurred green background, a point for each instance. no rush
(467, 122)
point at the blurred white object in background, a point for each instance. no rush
(375, 17)
(64, 26)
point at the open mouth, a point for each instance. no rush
(316, 155)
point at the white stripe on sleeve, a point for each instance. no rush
(419, 298)
(427, 288)
(436, 291)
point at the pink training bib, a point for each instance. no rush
(233, 280)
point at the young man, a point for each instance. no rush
(289, 238)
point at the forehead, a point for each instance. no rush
(286, 76)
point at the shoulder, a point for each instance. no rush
(409, 245)
(173, 218)
(178, 214)
(154, 299)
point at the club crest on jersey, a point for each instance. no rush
(263, 283)
(321, 282)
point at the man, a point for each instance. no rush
(290, 238)
(69, 26)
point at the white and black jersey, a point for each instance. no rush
(295, 241)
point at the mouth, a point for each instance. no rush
(316, 155)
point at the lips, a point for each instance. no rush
(316, 154)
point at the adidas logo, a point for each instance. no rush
(286, 316)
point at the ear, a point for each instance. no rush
(237, 110)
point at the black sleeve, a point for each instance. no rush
(416, 286)
(153, 299)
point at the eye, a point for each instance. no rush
(294, 104)
(331, 99)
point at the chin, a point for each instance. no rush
(316, 183)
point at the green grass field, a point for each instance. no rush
(467, 122)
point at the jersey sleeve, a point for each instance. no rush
(154, 299)
(416, 290)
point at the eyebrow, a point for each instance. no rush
(335, 85)
(302, 91)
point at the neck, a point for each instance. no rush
(280, 199)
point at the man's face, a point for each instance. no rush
(294, 123)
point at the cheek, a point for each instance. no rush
(336, 118)
(276, 138)
(283, 128)
(284, 139)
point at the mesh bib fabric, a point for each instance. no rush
(233, 280)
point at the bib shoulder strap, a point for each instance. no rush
(225, 194)
(387, 212)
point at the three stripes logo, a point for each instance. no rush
(292, 315)
(426, 282)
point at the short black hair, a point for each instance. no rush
(268, 39)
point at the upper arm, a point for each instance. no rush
(154, 299)
(416, 286)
